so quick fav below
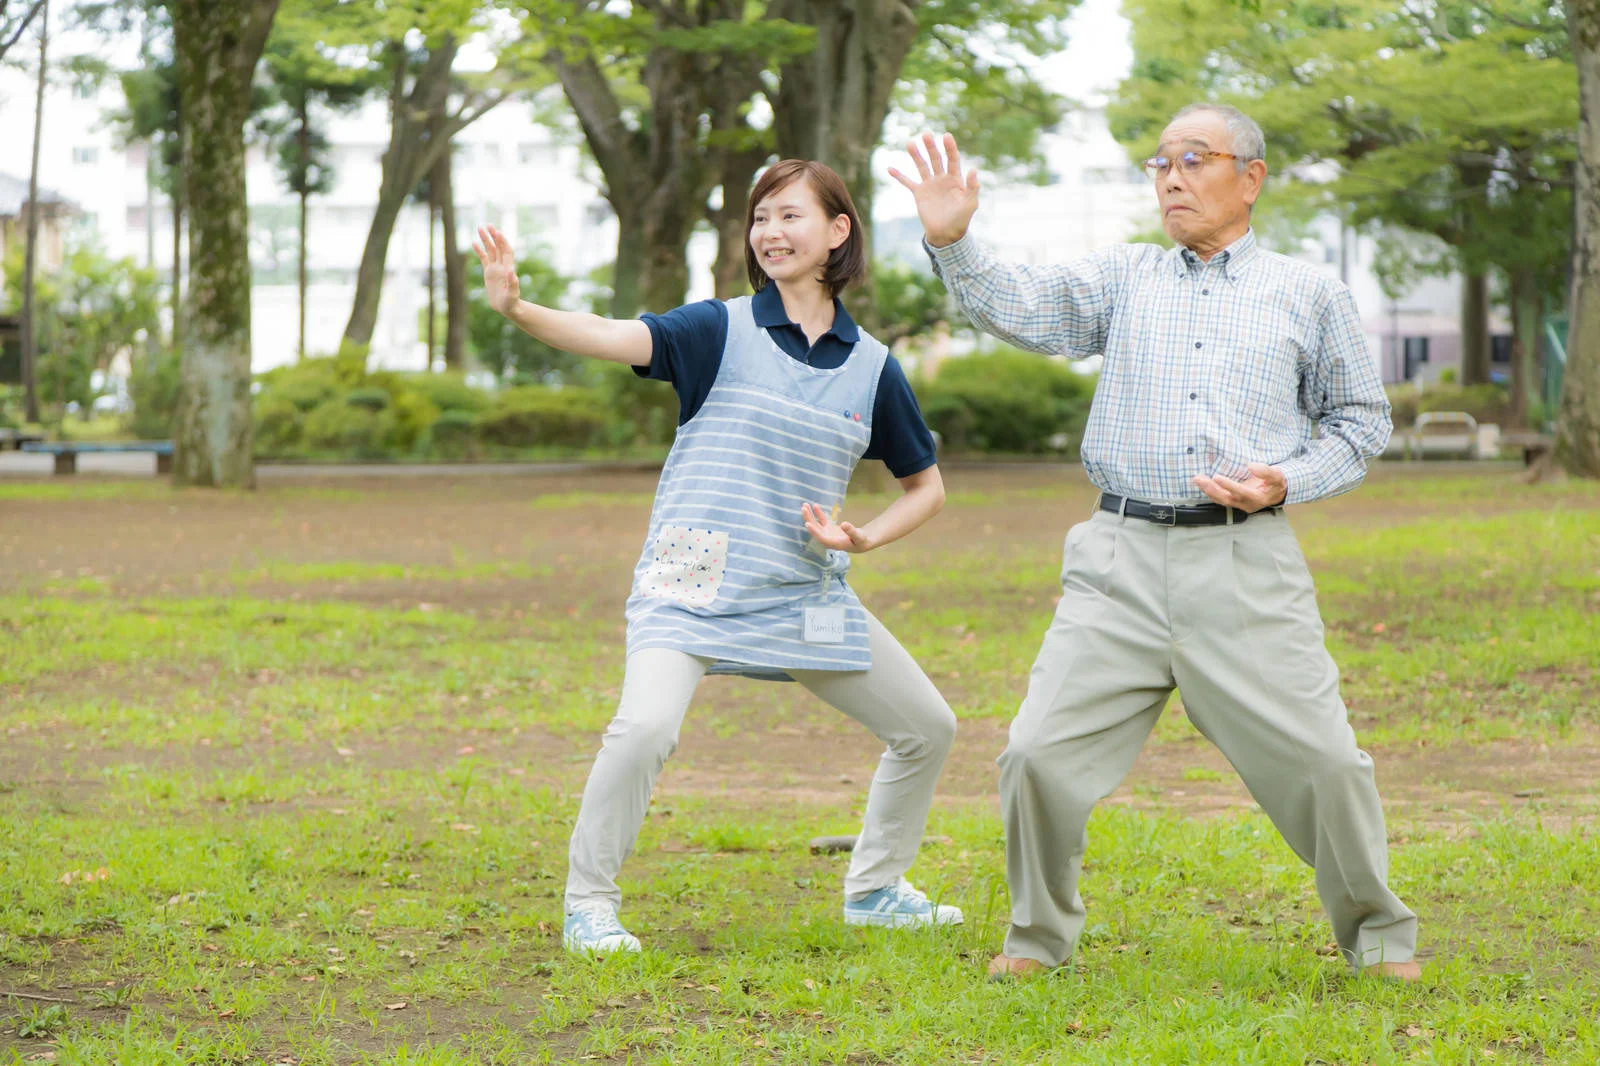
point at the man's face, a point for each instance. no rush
(1210, 208)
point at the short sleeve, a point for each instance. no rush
(686, 349)
(899, 435)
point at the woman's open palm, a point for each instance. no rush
(499, 269)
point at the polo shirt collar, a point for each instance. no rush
(768, 310)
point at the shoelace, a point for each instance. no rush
(905, 891)
(602, 920)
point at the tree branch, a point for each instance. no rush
(22, 26)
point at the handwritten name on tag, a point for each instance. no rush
(824, 625)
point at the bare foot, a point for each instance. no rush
(1004, 967)
(1395, 971)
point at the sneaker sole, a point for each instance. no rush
(897, 921)
(601, 950)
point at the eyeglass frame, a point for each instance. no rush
(1153, 170)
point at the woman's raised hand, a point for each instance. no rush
(499, 269)
(946, 198)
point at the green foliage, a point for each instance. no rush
(908, 299)
(640, 412)
(1006, 401)
(454, 434)
(447, 391)
(371, 398)
(338, 427)
(532, 416)
(153, 386)
(89, 310)
(1486, 403)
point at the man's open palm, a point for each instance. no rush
(946, 198)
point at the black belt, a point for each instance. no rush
(1166, 514)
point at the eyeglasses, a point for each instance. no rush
(1191, 162)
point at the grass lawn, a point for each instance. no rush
(287, 777)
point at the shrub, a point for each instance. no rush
(1006, 401)
(337, 426)
(448, 391)
(532, 416)
(640, 412)
(373, 399)
(280, 425)
(307, 384)
(154, 383)
(454, 435)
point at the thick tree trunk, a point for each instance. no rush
(30, 327)
(627, 269)
(455, 265)
(1526, 316)
(729, 273)
(832, 102)
(217, 48)
(1475, 328)
(1578, 427)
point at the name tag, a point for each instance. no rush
(824, 625)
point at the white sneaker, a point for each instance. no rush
(593, 929)
(897, 906)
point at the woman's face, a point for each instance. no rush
(792, 234)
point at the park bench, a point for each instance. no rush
(16, 438)
(1461, 437)
(67, 452)
(1533, 444)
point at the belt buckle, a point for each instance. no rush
(1163, 515)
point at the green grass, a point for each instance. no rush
(238, 827)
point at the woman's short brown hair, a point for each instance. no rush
(846, 263)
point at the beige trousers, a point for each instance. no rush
(894, 699)
(1228, 615)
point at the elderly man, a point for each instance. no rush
(1235, 381)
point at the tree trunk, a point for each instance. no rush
(433, 311)
(1526, 315)
(30, 255)
(177, 258)
(455, 264)
(627, 269)
(305, 154)
(420, 129)
(1578, 427)
(729, 272)
(832, 102)
(217, 46)
(1475, 328)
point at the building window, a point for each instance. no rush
(86, 155)
(529, 153)
(1500, 348)
(1416, 354)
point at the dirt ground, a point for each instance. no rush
(588, 529)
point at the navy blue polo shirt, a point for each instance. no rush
(687, 345)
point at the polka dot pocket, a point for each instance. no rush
(686, 565)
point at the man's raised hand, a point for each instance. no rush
(500, 283)
(946, 198)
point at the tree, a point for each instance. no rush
(15, 17)
(420, 42)
(662, 96)
(30, 331)
(303, 78)
(1578, 426)
(217, 47)
(87, 313)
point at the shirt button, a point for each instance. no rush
(1197, 344)
(1194, 396)
(1191, 449)
(1205, 292)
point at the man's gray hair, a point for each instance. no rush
(1248, 141)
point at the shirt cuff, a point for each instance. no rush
(1301, 474)
(952, 258)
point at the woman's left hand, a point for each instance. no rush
(841, 536)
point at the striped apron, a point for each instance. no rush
(728, 571)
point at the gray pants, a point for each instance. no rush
(1228, 614)
(894, 699)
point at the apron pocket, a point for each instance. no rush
(686, 566)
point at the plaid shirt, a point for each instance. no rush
(1252, 357)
